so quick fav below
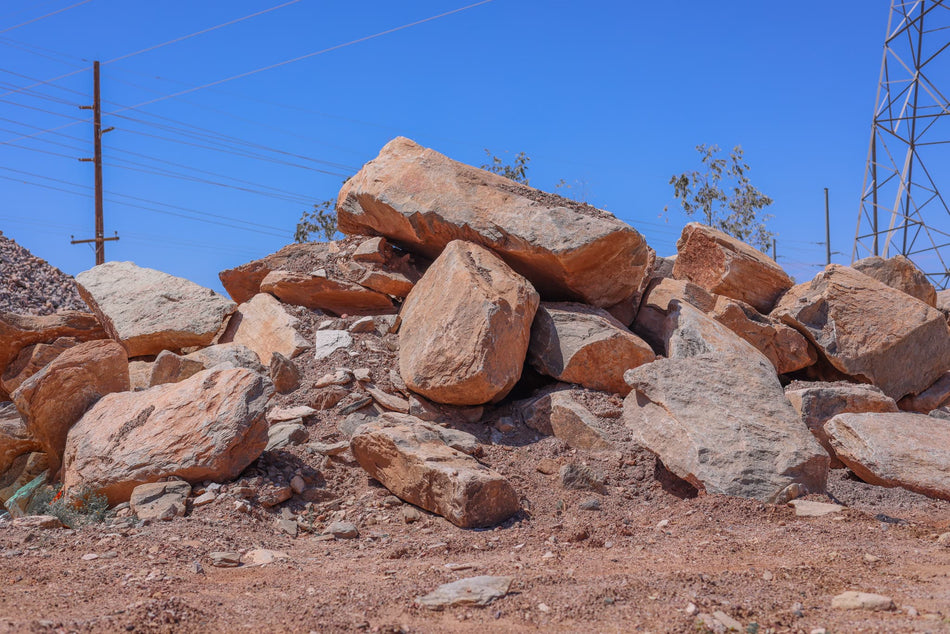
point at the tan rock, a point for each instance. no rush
(422, 201)
(172, 368)
(721, 422)
(852, 600)
(389, 401)
(817, 403)
(208, 427)
(55, 398)
(244, 282)
(725, 266)
(943, 302)
(930, 399)
(387, 282)
(580, 344)
(160, 500)
(284, 373)
(869, 331)
(148, 311)
(465, 328)
(31, 360)
(900, 273)
(810, 508)
(15, 438)
(140, 373)
(559, 414)
(410, 458)
(324, 293)
(263, 325)
(19, 331)
(906, 450)
(687, 332)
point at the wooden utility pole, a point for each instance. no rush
(96, 108)
(828, 229)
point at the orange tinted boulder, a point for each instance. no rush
(324, 293)
(900, 273)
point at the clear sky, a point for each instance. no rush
(610, 96)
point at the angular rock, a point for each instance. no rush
(263, 325)
(579, 477)
(326, 342)
(410, 458)
(43, 522)
(723, 265)
(19, 331)
(943, 302)
(580, 344)
(160, 500)
(172, 368)
(559, 414)
(466, 327)
(422, 201)
(343, 530)
(388, 401)
(687, 332)
(31, 360)
(284, 374)
(930, 399)
(906, 450)
(148, 311)
(473, 591)
(55, 398)
(809, 508)
(15, 438)
(286, 434)
(140, 374)
(900, 273)
(819, 402)
(869, 331)
(722, 423)
(23, 470)
(208, 427)
(852, 600)
(324, 293)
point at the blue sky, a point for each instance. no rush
(611, 96)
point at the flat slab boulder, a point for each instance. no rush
(324, 293)
(722, 423)
(55, 398)
(895, 450)
(244, 282)
(934, 397)
(900, 273)
(264, 325)
(465, 327)
(869, 331)
(411, 459)
(725, 266)
(148, 311)
(422, 200)
(208, 427)
(160, 500)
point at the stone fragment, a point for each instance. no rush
(374, 250)
(286, 434)
(172, 368)
(208, 427)
(204, 499)
(339, 377)
(580, 477)
(148, 311)
(725, 266)
(422, 201)
(852, 600)
(559, 414)
(819, 402)
(473, 591)
(411, 459)
(284, 414)
(809, 508)
(324, 293)
(869, 331)
(262, 557)
(262, 324)
(388, 401)
(160, 500)
(34, 522)
(225, 559)
(31, 360)
(900, 273)
(930, 399)
(722, 423)
(55, 398)
(140, 374)
(284, 373)
(20, 331)
(580, 344)
(466, 327)
(343, 530)
(906, 450)
(363, 375)
(363, 324)
(547, 466)
(328, 397)
(274, 494)
(326, 342)
(329, 449)
(288, 527)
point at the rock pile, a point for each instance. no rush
(460, 298)
(30, 286)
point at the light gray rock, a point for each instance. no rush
(852, 600)
(473, 591)
(286, 434)
(160, 500)
(326, 342)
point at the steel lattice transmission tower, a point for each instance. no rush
(902, 209)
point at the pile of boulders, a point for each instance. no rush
(478, 289)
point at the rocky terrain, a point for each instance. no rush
(29, 285)
(486, 408)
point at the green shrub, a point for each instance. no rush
(85, 507)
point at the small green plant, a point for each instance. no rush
(85, 507)
(516, 171)
(321, 222)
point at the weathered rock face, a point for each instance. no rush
(906, 450)
(160, 500)
(172, 368)
(723, 265)
(284, 373)
(900, 273)
(466, 327)
(579, 344)
(148, 311)
(409, 457)
(53, 399)
(722, 424)
(244, 282)
(943, 302)
(930, 399)
(817, 403)
(264, 326)
(208, 427)
(31, 360)
(869, 331)
(19, 331)
(422, 201)
(561, 415)
(784, 346)
(15, 439)
(687, 332)
(324, 293)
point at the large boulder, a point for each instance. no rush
(19, 331)
(580, 344)
(172, 368)
(900, 273)
(208, 427)
(688, 332)
(466, 327)
(322, 292)
(148, 311)
(723, 265)
(819, 402)
(906, 450)
(721, 422)
(244, 282)
(55, 398)
(264, 325)
(15, 438)
(411, 459)
(869, 331)
(422, 201)
(937, 395)
(31, 360)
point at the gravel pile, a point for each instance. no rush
(29, 285)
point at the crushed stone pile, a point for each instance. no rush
(31, 286)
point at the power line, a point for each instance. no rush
(43, 17)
